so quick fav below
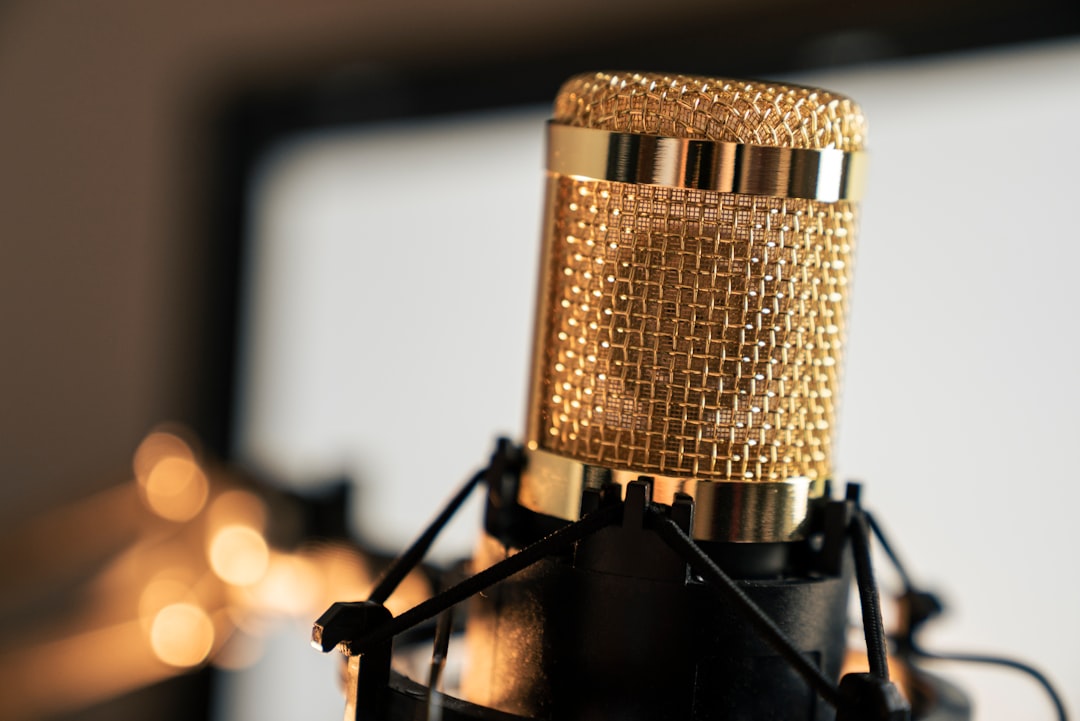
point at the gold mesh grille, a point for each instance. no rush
(735, 111)
(693, 333)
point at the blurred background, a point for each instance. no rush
(249, 221)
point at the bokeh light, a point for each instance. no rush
(239, 555)
(182, 635)
(156, 447)
(175, 488)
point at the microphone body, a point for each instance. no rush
(694, 277)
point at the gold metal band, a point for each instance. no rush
(827, 175)
(736, 511)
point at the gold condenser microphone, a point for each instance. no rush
(694, 278)
(694, 281)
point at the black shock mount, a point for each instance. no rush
(640, 621)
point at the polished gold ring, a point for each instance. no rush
(733, 511)
(827, 175)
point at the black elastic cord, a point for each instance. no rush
(766, 628)
(443, 629)
(873, 627)
(551, 544)
(406, 562)
(901, 570)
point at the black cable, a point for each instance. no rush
(406, 562)
(873, 627)
(705, 567)
(997, 661)
(550, 544)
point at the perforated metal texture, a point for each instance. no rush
(695, 333)
(691, 333)
(735, 111)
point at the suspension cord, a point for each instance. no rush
(406, 562)
(553, 543)
(443, 629)
(873, 627)
(766, 628)
(901, 570)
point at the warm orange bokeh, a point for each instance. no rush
(182, 635)
(239, 555)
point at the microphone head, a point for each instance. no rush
(694, 283)
(718, 109)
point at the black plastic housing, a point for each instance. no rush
(619, 628)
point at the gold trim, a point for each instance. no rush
(552, 484)
(827, 175)
(735, 511)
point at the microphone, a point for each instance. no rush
(695, 268)
(664, 544)
(694, 281)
